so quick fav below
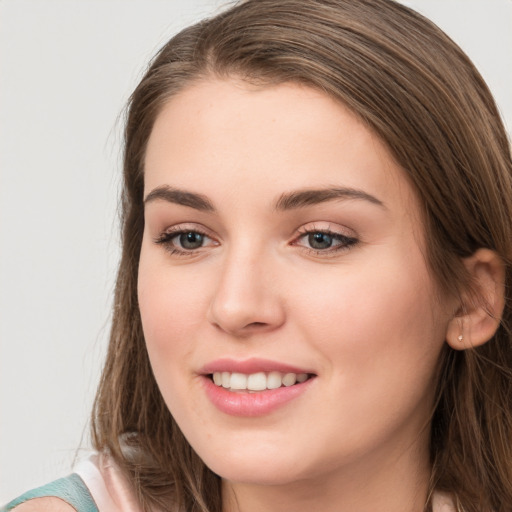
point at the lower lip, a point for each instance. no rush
(236, 403)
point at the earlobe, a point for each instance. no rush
(479, 314)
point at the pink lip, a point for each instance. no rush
(252, 404)
(248, 366)
(243, 403)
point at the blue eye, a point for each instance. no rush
(320, 240)
(324, 242)
(190, 240)
(184, 241)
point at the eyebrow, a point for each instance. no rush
(308, 197)
(288, 201)
(181, 197)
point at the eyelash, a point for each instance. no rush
(344, 241)
(166, 240)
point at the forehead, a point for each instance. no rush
(229, 135)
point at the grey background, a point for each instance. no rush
(66, 70)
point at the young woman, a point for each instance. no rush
(313, 307)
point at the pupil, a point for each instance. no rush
(320, 240)
(191, 240)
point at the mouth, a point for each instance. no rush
(255, 386)
(257, 382)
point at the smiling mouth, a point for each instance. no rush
(259, 381)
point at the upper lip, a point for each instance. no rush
(248, 366)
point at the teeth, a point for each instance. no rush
(238, 381)
(257, 381)
(289, 379)
(274, 380)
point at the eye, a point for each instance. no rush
(320, 240)
(324, 241)
(184, 241)
(190, 240)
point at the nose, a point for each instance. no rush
(247, 298)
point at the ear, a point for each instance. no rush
(479, 314)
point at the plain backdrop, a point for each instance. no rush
(66, 69)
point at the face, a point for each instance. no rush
(290, 318)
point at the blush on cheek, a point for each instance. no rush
(170, 314)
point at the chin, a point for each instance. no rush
(258, 466)
(257, 474)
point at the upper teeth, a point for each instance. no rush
(257, 381)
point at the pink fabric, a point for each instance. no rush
(113, 493)
(109, 488)
(442, 503)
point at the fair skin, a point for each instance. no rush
(45, 505)
(366, 321)
(335, 284)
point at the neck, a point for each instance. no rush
(398, 483)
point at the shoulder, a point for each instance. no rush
(68, 494)
(97, 484)
(47, 504)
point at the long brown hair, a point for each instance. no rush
(421, 94)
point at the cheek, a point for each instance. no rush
(170, 312)
(377, 322)
(170, 308)
(378, 338)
